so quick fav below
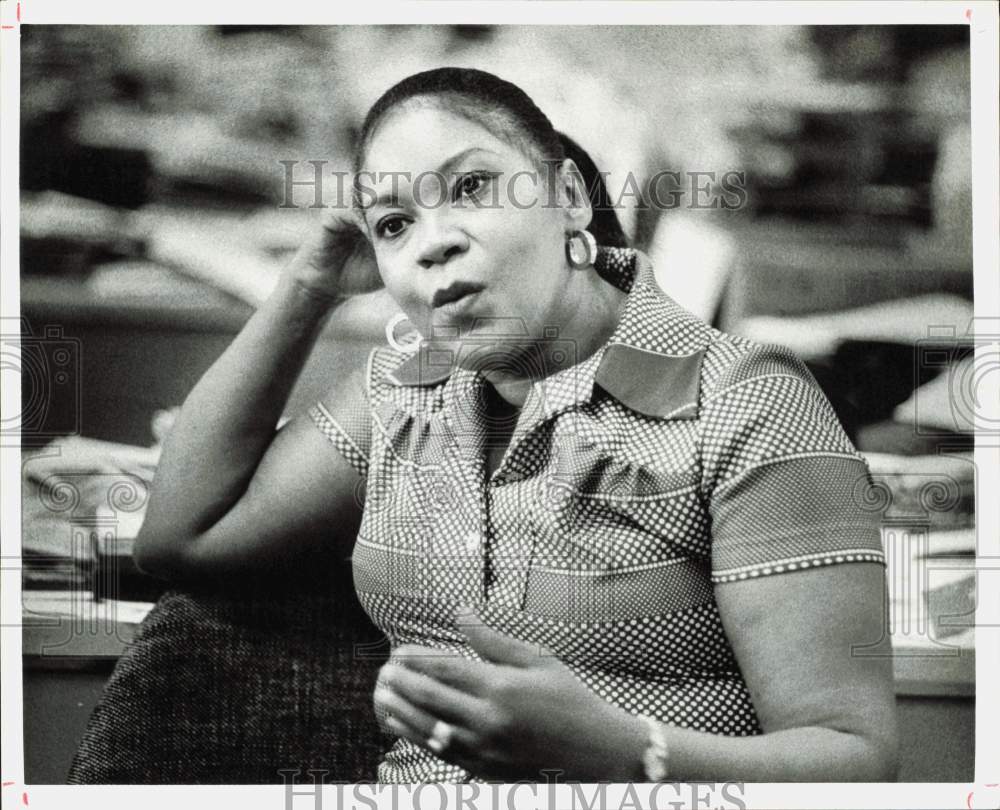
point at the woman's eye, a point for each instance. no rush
(469, 185)
(389, 227)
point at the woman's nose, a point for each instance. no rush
(441, 243)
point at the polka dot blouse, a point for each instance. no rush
(674, 458)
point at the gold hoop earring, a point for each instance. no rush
(581, 249)
(409, 344)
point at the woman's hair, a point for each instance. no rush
(505, 109)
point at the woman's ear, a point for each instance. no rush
(574, 198)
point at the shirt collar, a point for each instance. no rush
(651, 363)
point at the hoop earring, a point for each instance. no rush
(409, 346)
(581, 249)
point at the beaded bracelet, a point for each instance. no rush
(654, 758)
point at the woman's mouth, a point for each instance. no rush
(456, 298)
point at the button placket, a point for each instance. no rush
(467, 523)
(473, 540)
(502, 579)
(511, 544)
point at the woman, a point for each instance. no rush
(602, 537)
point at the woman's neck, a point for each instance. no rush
(587, 316)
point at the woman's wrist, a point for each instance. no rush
(655, 759)
(307, 298)
(629, 739)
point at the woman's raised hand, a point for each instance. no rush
(336, 259)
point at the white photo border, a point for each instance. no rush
(979, 15)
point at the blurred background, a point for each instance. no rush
(151, 225)
(150, 171)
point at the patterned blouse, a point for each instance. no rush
(674, 458)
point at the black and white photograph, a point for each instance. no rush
(570, 402)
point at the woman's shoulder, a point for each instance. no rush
(732, 360)
(725, 359)
(763, 397)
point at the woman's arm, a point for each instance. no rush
(814, 650)
(230, 491)
(827, 708)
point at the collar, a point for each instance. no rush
(651, 363)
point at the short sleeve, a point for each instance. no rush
(345, 418)
(786, 488)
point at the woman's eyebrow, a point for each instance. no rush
(390, 199)
(457, 158)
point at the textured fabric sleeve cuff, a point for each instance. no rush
(339, 438)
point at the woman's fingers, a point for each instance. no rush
(447, 667)
(452, 742)
(438, 699)
(336, 258)
(499, 647)
(419, 724)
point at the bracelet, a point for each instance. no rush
(654, 758)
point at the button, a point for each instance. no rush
(472, 541)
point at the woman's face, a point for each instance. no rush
(469, 240)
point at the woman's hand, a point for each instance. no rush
(336, 259)
(516, 714)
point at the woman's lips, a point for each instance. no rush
(453, 292)
(456, 298)
(459, 306)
